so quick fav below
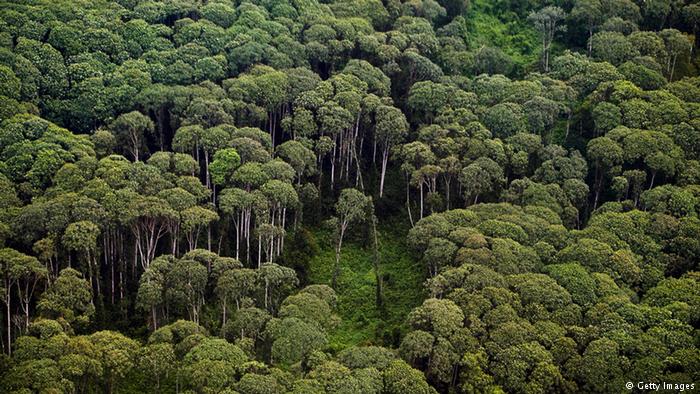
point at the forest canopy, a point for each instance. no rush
(340, 196)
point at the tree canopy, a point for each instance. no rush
(338, 196)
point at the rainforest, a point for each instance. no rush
(349, 196)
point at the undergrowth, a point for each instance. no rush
(363, 322)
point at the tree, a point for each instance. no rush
(23, 272)
(130, 130)
(252, 383)
(546, 22)
(492, 61)
(414, 156)
(36, 375)
(602, 366)
(677, 45)
(248, 323)
(605, 154)
(187, 281)
(301, 158)
(238, 203)
(82, 236)
(350, 208)
(232, 286)
(606, 116)
(151, 296)
(527, 366)
(390, 130)
(612, 47)
(158, 360)
(691, 13)
(69, 297)
(117, 354)
(505, 119)
(482, 176)
(401, 378)
(150, 218)
(223, 166)
(193, 220)
(277, 281)
(212, 364)
(541, 114)
(293, 339)
(591, 13)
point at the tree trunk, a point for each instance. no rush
(599, 184)
(385, 157)
(377, 275)
(408, 201)
(421, 200)
(8, 300)
(267, 287)
(339, 245)
(223, 313)
(154, 317)
(673, 67)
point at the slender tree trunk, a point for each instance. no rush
(8, 301)
(267, 285)
(374, 150)
(448, 183)
(237, 226)
(154, 317)
(247, 237)
(599, 184)
(208, 237)
(673, 67)
(339, 245)
(223, 312)
(377, 275)
(421, 200)
(335, 147)
(385, 158)
(408, 201)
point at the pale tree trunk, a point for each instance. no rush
(267, 285)
(421, 200)
(408, 201)
(385, 159)
(155, 318)
(377, 275)
(8, 301)
(339, 245)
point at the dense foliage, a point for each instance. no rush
(233, 196)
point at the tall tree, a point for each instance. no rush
(82, 237)
(390, 130)
(677, 44)
(590, 12)
(69, 297)
(23, 273)
(546, 22)
(350, 208)
(130, 129)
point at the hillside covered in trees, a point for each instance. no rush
(349, 196)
